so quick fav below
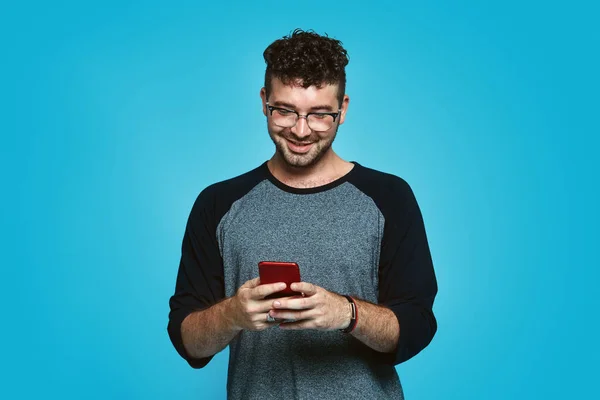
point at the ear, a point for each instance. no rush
(344, 108)
(263, 96)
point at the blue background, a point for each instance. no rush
(116, 114)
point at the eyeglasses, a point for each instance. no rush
(317, 121)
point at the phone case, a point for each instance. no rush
(279, 271)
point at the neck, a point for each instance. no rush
(326, 170)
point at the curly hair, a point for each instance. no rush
(308, 59)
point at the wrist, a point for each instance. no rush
(353, 315)
(231, 313)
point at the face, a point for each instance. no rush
(299, 146)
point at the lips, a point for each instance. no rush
(297, 147)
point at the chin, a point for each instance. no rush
(301, 160)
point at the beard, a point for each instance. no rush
(319, 148)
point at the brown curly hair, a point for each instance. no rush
(307, 58)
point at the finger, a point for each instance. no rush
(294, 315)
(262, 291)
(261, 306)
(294, 303)
(307, 288)
(252, 283)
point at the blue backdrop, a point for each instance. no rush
(115, 115)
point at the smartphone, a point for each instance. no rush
(279, 271)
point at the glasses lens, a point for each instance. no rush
(320, 122)
(284, 118)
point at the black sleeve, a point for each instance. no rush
(200, 280)
(407, 282)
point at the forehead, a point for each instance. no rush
(303, 97)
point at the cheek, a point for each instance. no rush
(326, 135)
(277, 130)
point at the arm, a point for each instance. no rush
(377, 326)
(205, 333)
(200, 282)
(407, 282)
(201, 320)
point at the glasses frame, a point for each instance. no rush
(305, 116)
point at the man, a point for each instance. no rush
(357, 234)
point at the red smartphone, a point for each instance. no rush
(278, 271)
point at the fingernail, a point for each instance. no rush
(282, 286)
(276, 304)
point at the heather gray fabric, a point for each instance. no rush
(335, 237)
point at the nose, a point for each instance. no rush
(301, 128)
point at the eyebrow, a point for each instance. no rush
(325, 107)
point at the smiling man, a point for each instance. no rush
(357, 234)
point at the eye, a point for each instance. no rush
(320, 115)
(283, 111)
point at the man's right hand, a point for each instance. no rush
(250, 309)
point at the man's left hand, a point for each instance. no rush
(318, 309)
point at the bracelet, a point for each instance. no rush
(354, 318)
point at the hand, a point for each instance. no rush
(318, 309)
(249, 307)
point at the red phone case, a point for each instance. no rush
(278, 271)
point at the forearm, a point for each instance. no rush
(377, 327)
(205, 333)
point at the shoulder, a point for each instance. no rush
(392, 195)
(379, 185)
(218, 197)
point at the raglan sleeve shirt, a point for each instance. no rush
(407, 282)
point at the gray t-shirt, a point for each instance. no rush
(361, 235)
